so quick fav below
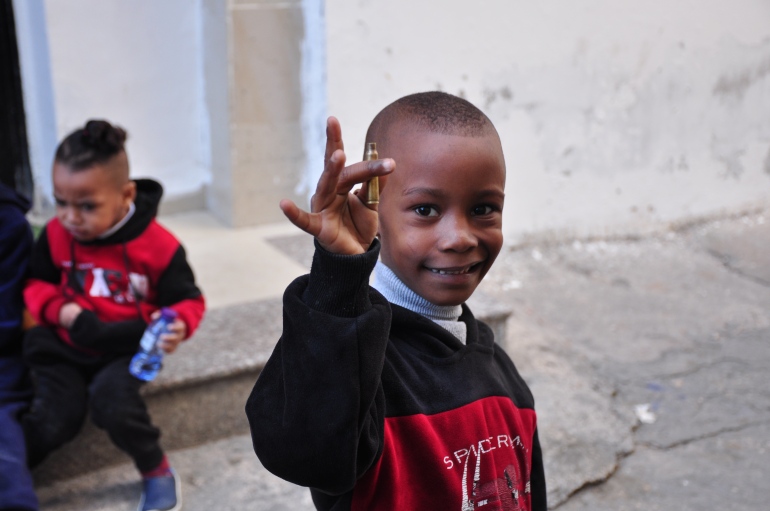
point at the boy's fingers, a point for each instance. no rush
(363, 171)
(298, 217)
(168, 345)
(176, 327)
(326, 189)
(362, 194)
(333, 138)
(360, 204)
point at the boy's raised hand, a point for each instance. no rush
(341, 221)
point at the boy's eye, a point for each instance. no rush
(426, 211)
(59, 203)
(482, 210)
(87, 206)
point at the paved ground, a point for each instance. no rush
(649, 361)
(677, 328)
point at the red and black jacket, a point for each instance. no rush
(373, 406)
(119, 280)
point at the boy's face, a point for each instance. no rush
(90, 201)
(440, 212)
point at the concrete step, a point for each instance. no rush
(200, 394)
(224, 475)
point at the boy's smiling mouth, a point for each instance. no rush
(457, 270)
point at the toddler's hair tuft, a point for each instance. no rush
(95, 143)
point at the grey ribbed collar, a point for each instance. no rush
(395, 291)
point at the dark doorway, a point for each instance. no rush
(14, 154)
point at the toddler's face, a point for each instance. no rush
(88, 201)
(441, 212)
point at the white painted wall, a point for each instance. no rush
(138, 64)
(616, 117)
(37, 88)
(314, 94)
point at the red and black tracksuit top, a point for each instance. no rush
(119, 280)
(375, 407)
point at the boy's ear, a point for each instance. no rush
(129, 192)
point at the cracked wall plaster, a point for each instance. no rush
(614, 120)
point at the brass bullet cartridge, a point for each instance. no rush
(373, 185)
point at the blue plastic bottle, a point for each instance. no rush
(149, 359)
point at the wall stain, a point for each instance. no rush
(673, 164)
(733, 165)
(734, 86)
(491, 95)
(766, 165)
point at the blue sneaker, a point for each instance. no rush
(161, 493)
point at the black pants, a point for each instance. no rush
(68, 383)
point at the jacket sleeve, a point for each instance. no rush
(15, 247)
(537, 477)
(317, 410)
(177, 290)
(116, 337)
(42, 294)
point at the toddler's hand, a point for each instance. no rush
(176, 334)
(341, 221)
(68, 313)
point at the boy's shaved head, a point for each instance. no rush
(435, 112)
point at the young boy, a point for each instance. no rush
(100, 271)
(16, 489)
(396, 397)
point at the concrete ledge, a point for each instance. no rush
(200, 395)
